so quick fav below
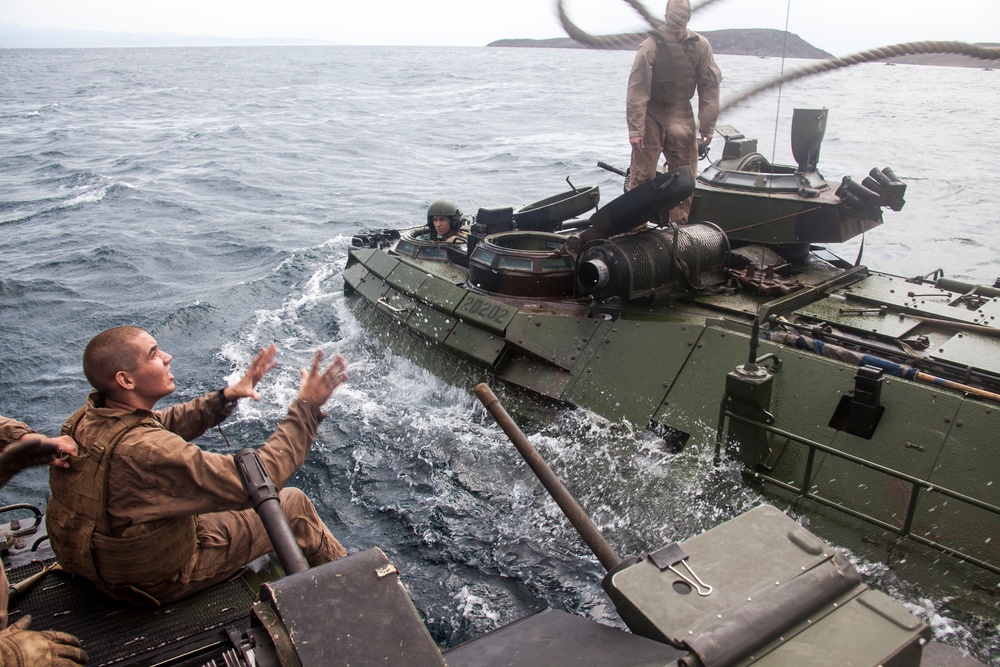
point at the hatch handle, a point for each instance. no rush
(383, 302)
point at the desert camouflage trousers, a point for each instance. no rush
(673, 136)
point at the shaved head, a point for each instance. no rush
(678, 14)
(109, 352)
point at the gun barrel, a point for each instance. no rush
(263, 496)
(608, 167)
(567, 503)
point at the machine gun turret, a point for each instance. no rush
(636, 206)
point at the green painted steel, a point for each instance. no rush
(354, 274)
(475, 343)
(630, 369)
(531, 372)
(397, 305)
(695, 394)
(485, 312)
(372, 288)
(443, 295)
(406, 278)
(431, 322)
(721, 608)
(822, 418)
(362, 255)
(381, 264)
(557, 339)
(970, 351)
(967, 463)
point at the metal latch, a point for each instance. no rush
(671, 555)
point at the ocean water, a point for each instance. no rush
(209, 196)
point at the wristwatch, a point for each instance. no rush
(225, 402)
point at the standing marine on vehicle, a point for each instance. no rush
(669, 66)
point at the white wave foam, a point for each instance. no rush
(471, 605)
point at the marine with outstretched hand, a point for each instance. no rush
(175, 518)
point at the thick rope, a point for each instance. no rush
(619, 42)
(630, 40)
(872, 55)
(625, 40)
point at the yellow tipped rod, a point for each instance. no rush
(567, 503)
(957, 386)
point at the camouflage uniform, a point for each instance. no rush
(12, 430)
(156, 475)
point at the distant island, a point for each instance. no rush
(765, 42)
(760, 42)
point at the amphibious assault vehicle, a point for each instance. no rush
(783, 597)
(869, 400)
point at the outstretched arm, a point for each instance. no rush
(191, 419)
(287, 449)
(166, 461)
(318, 385)
(261, 364)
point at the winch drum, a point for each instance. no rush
(631, 266)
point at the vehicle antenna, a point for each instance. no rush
(754, 342)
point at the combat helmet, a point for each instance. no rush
(444, 207)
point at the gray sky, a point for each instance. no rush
(838, 26)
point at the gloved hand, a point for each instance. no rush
(21, 647)
(33, 450)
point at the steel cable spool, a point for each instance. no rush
(637, 265)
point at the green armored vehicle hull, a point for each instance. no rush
(758, 589)
(866, 399)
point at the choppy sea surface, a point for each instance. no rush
(209, 195)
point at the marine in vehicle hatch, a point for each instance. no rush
(147, 515)
(445, 222)
(668, 67)
(20, 448)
